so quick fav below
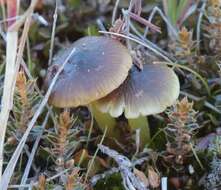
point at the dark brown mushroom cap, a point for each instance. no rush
(144, 92)
(97, 67)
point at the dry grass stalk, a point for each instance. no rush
(13, 60)
(10, 72)
(33, 152)
(55, 16)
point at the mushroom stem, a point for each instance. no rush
(141, 123)
(104, 120)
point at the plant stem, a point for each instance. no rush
(104, 120)
(10, 78)
(141, 123)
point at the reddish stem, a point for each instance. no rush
(2, 2)
(11, 10)
(137, 7)
(144, 22)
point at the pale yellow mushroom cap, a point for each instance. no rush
(145, 92)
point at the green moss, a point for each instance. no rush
(113, 182)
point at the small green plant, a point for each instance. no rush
(176, 10)
(215, 146)
(25, 101)
(63, 140)
(179, 132)
(183, 47)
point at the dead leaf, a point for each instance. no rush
(154, 178)
(141, 176)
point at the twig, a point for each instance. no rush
(95, 154)
(125, 166)
(161, 52)
(115, 11)
(144, 22)
(91, 126)
(139, 42)
(55, 16)
(165, 19)
(26, 149)
(35, 16)
(101, 25)
(98, 177)
(20, 186)
(202, 9)
(127, 21)
(34, 149)
(196, 156)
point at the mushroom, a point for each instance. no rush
(144, 92)
(97, 67)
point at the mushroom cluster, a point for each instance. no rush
(100, 73)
